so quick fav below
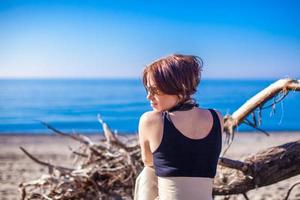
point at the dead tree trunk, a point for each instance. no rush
(265, 168)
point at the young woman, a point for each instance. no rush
(180, 141)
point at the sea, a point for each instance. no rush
(72, 105)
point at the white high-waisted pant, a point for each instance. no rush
(150, 187)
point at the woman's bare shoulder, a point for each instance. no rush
(219, 113)
(150, 123)
(220, 117)
(204, 110)
(208, 113)
(150, 117)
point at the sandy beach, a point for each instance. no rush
(15, 167)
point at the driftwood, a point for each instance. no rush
(256, 104)
(108, 168)
(264, 168)
(107, 171)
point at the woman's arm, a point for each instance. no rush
(221, 119)
(144, 123)
(150, 126)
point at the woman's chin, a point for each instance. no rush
(155, 108)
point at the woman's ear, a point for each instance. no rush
(180, 98)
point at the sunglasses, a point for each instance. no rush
(153, 90)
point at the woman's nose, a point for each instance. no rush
(149, 96)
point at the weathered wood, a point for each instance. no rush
(107, 171)
(231, 122)
(237, 117)
(264, 168)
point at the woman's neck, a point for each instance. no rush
(184, 106)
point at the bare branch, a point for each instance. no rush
(234, 164)
(282, 85)
(63, 169)
(290, 190)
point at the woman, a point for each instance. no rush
(181, 141)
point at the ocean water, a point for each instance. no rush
(73, 105)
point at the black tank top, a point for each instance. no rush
(178, 155)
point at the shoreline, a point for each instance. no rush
(15, 167)
(132, 133)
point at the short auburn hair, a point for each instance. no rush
(175, 74)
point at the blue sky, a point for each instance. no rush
(83, 39)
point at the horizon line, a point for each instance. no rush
(134, 78)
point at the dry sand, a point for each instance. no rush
(15, 167)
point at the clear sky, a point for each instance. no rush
(82, 39)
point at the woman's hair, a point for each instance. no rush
(175, 75)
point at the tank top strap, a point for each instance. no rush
(216, 120)
(165, 116)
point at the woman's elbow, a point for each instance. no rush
(147, 162)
